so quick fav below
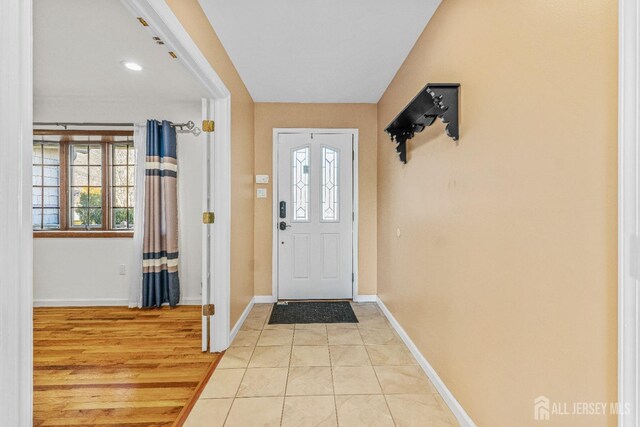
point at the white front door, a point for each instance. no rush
(315, 215)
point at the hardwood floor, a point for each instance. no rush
(114, 365)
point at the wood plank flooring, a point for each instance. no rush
(115, 365)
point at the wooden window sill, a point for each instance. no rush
(83, 234)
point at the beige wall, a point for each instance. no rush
(195, 22)
(505, 271)
(361, 116)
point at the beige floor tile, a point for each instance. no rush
(310, 381)
(316, 411)
(363, 411)
(209, 413)
(235, 357)
(363, 309)
(349, 355)
(417, 410)
(245, 339)
(355, 380)
(379, 336)
(261, 309)
(255, 411)
(344, 337)
(274, 356)
(261, 382)
(252, 324)
(331, 326)
(390, 355)
(279, 326)
(223, 383)
(373, 321)
(276, 337)
(403, 380)
(310, 337)
(321, 326)
(310, 355)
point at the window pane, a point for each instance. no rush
(51, 154)
(37, 219)
(130, 216)
(120, 218)
(119, 175)
(36, 197)
(76, 197)
(95, 217)
(37, 175)
(51, 218)
(36, 154)
(79, 216)
(51, 175)
(132, 155)
(85, 197)
(131, 176)
(131, 197)
(330, 194)
(119, 154)
(79, 154)
(95, 155)
(51, 197)
(119, 197)
(95, 197)
(300, 184)
(79, 176)
(95, 176)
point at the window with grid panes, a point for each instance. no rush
(83, 181)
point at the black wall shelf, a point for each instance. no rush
(434, 100)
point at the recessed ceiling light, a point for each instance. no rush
(131, 65)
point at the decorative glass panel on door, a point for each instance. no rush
(330, 188)
(300, 184)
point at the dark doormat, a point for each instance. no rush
(313, 312)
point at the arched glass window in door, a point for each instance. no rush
(330, 185)
(300, 184)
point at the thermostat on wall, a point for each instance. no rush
(262, 179)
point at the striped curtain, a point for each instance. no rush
(160, 282)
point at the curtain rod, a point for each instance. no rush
(190, 126)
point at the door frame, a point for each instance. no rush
(274, 193)
(217, 266)
(628, 211)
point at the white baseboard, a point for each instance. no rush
(463, 418)
(99, 302)
(81, 302)
(241, 320)
(264, 299)
(365, 298)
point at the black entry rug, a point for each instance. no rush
(313, 312)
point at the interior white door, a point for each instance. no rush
(315, 215)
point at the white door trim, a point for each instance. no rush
(274, 191)
(628, 210)
(16, 227)
(166, 25)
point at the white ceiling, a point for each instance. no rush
(318, 50)
(78, 46)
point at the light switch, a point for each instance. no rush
(261, 193)
(262, 179)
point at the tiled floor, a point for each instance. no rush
(319, 375)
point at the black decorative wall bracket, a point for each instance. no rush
(435, 100)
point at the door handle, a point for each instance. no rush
(283, 225)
